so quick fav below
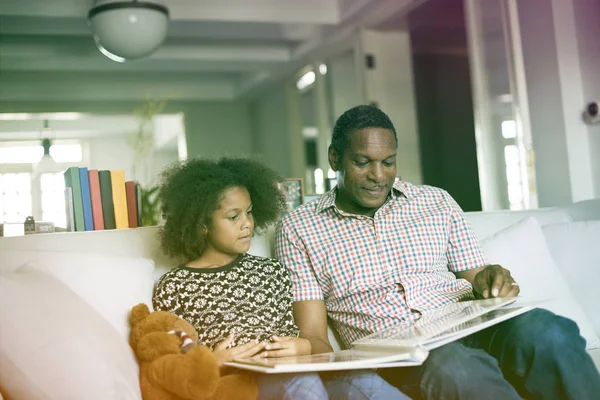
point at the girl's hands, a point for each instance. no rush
(286, 347)
(223, 354)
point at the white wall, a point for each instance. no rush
(587, 25)
(390, 85)
(344, 83)
(218, 129)
(573, 100)
(277, 130)
(111, 152)
(270, 121)
(557, 37)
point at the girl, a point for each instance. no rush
(240, 304)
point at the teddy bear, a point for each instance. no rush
(173, 367)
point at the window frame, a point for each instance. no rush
(36, 189)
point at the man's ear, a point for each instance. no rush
(333, 159)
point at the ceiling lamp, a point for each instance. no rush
(126, 30)
(46, 163)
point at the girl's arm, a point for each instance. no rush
(286, 342)
(287, 326)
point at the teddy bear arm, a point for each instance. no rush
(157, 344)
(192, 376)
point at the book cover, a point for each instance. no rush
(334, 361)
(88, 219)
(138, 198)
(131, 204)
(117, 180)
(72, 180)
(406, 344)
(96, 199)
(69, 209)
(108, 211)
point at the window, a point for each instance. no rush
(513, 177)
(23, 193)
(53, 198)
(15, 197)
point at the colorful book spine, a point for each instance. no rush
(117, 179)
(138, 199)
(72, 180)
(88, 218)
(69, 209)
(131, 204)
(108, 210)
(96, 199)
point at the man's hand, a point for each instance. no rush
(286, 347)
(495, 281)
(223, 354)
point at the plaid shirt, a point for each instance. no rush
(374, 272)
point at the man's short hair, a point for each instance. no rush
(355, 119)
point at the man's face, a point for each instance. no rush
(366, 171)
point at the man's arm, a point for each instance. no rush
(491, 281)
(311, 318)
(469, 274)
(467, 261)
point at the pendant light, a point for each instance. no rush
(128, 29)
(46, 163)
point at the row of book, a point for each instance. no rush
(98, 200)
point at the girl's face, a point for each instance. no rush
(232, 224)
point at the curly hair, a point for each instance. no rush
(190, 191)
(355, 119)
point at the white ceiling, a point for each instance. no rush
(215, 49)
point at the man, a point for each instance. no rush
(373, 252)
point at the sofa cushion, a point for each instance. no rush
(586, 210)
(111, 285)
(485, 224)
(522, 249)
(575, 247)
(55, 346)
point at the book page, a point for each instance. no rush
(474, 325)
(431, 324)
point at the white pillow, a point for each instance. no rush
(521, 248)
(111, 285)
(55, 346)
(575, 246)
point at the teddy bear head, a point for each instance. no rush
(144, 323)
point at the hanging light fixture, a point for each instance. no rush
(46, 163)
(126, 30)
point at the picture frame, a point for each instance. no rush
(293, 191)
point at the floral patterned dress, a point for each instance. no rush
(250, 297)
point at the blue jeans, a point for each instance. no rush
(537, 355)
(343, 385)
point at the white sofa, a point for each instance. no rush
(47, 335)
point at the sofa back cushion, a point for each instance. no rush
(487, 223)
(138, 242)
(522, 249)
(575, 246)
(55, 346)
(111, 285)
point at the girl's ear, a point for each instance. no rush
(202, 229)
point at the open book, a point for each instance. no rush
(406, 344)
